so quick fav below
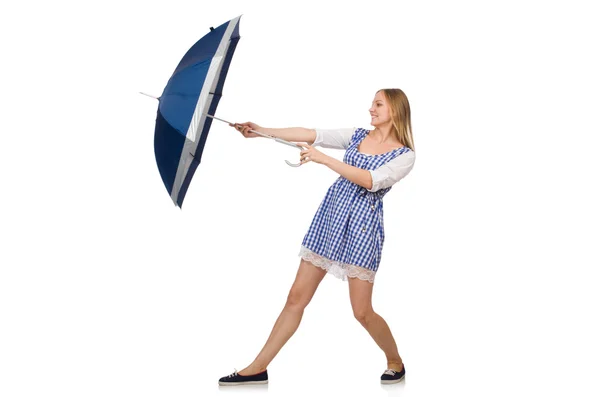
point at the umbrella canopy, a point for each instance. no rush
(193, 90)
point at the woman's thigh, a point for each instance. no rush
(361, 293)
(307, 280)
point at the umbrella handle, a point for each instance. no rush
(292, 164)
(287, 143)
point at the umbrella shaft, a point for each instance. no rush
(260, 133)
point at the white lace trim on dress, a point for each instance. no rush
(338, 269)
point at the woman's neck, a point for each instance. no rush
(384, 134)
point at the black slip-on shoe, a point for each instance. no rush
(392, 376)
(235, 379)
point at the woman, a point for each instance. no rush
(346, 235)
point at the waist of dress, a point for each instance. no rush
(374, 198)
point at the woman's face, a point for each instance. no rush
(380, 111)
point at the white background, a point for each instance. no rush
(488, 273)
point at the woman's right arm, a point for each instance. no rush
(291, 134)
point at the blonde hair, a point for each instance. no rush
(400, 114)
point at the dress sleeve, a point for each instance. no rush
(392, 171)
(338, 138)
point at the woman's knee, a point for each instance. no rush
(360, 298)
(363, 314)
(297, 299)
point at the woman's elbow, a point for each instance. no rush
(370, 182)
(311, 136)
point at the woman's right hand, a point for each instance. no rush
(245, 128)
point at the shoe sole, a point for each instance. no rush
(255, 382)
(389, 382)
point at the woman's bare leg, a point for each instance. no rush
(361, 292)
(307, 280)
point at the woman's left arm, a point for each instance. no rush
(353, 174)
(372, 180)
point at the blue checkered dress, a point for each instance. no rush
(346, 235)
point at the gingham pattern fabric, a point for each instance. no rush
(346, 235)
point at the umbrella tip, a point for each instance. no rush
(211, 28)
(151, 96)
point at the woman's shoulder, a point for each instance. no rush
(404, 156)
(360, 132)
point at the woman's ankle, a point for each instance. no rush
(396, 365)
(252, 370)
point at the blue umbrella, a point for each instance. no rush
(193, 91)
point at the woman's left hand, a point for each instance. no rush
(311, 154)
